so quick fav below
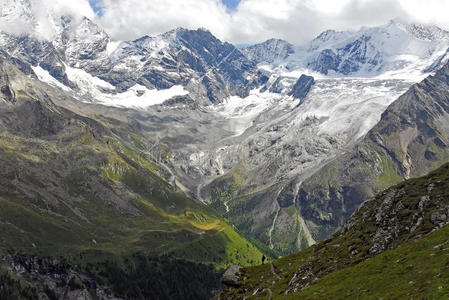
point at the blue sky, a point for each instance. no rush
(96, 6)
(231, 4)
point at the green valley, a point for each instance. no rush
(86, 192)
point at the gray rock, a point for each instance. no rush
(437, 218)
(231, 277)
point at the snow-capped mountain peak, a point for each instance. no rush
(327, 38)
(211, 70)
(396, 48)
(376, 50)
(421, 31)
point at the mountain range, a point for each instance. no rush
(180, 144)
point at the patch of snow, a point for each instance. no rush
(112, 46)
(85, 81)
(242, 111)
(44, 76)
(140, 97)
(137, 96)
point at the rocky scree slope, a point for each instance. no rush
(401, 216)
(84, 192)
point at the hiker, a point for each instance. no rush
(263, 258)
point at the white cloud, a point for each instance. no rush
(134, 18)
(38, 17)
(256, 20)
(252, 21)
(428, 11)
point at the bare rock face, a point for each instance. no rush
(230, 278)
(6, 93)
(302, 87)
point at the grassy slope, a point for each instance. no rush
(83, 189)
(413, 267)
(167, 222)
(418, 269)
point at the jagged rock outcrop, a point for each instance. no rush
(408, 211)
(302, 87)
(51, 277)
(6, 93)
(348, 59)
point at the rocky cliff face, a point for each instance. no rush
(302, 87)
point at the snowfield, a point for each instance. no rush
(351, 106)
(138, 96)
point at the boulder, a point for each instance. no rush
(231, 277)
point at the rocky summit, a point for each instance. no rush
(125, 160)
